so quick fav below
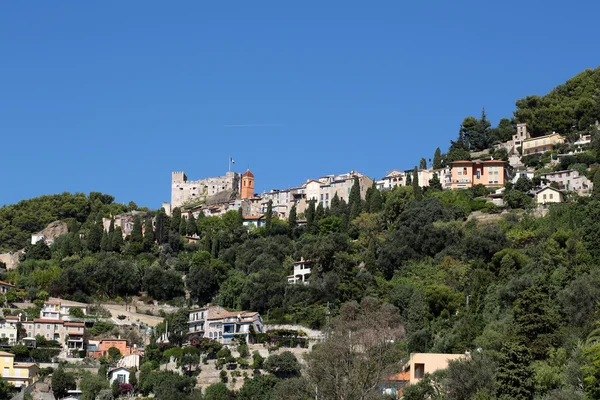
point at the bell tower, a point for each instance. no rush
(247, 185)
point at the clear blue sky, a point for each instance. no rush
(112, 96)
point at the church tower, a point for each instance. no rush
(247, 185)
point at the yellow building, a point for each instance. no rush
(541, 144)
(17, 374)
(427, 363)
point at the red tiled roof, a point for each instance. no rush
(248, 173)
(12, 317)
(6, 284)
(48, 321)
(74, 324)
(400, 376)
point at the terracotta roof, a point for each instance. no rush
(74, 324)
(6, 354)
(25, 365)
(48, 321)
(11, 317)
(6, 284)
(253, 217)
(113, 340)
(248, 173)
(229, 314)
(52, 302)
(401, 376)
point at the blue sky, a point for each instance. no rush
(112, 96)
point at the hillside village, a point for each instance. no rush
(441, 277)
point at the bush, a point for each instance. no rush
(223, 376)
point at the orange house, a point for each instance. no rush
(105, 344)
(466, 174)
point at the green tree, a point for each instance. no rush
(257, 388)
(292, 218)
(115, 388)
(283, 366)
(596, 188)
(415, 185)
(105, 241)
(515, 373)
(136, 231)
(269, 216)
(310, 215)
(437, 159)
(161, 232)
(217, 391)
(91, 386)
(182, 226)
(175, 220)
(94, 237)
(117, 239)
(434, 183)
(423, 163)
(148, 235)
(354, 199)
(191, 227)
(376, 200)
(62, 382)
(133, 377)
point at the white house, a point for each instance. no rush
(302, 271)
(8, 332)
(216, 323)
(119, 374)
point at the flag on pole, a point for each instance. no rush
(232, 161)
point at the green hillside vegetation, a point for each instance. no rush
(403, 271)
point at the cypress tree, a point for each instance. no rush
(161, 227)
(376, 200)
(175, 219)
(292, 218)
(354, 201)
(148, 234)
(117, 239)
(415, 184)
(437, 159)
(240, 216)
(596, 188)
(182, 226)
(319, 213)
(95, 237)
(368, 196)
(269, 216)
(408, 179)
(111, 235)
(335, 205)
(136, 232)
(423, 163)
(310, 214)
(434, 183)
(104, 243)
(191, 227)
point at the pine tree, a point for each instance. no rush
(104, 242)
(148, 235)
(161, 232)
(408, 179)
(423, 163)
(596, 188)
(437, 159)
(415, 185)
(319, 213)
(434, 183)
(292, 218)
(368, 195)
(269, 216)
(136, 231)
(515, 373)
(191, 228)
(95, 237)
(354, 200)
(182, 226)
(111, 235)
(117, 239)
(240, 216)
(335, 205)
(310, 214)
(376, 200)
(175, 219)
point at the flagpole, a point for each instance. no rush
(229, 168)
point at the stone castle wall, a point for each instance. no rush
(184, 191)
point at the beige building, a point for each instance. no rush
(549, 195)
(185, 191)
(427, 363)
(521, 135)
(392, 179)
(124, 221)
(569, 180)
(325, 188)
(541, 144)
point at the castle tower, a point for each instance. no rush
(247, 185)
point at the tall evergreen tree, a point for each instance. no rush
(111, 235)
(136, 231)
(269, 216)
(182, 226)
(191, 228)
(515, 376)
(408, 179)
(354, 200)
(376, 200)
(335, 205)
(148, 234)
(434, 183)
(319, 213)
(310, 214)
(117, 239)
(423, 163)
(292, 218)
(437, 159)
(175, 219)
(240, 216)
(596, 188)
(94, 237)
(415, 185)
(161, 232)
(104, 242)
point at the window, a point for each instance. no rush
(419, 371)
(121, 378)
(47, 326)
(478, 174)
(551, 194)
(544, 197)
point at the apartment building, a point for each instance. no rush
(541, 144)
(218, 324)
(569, 180)
(8, 332)
(59, 309)
(392, 179)
(521, 135)
(15, 373)
(490, 173)
(326, 187)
